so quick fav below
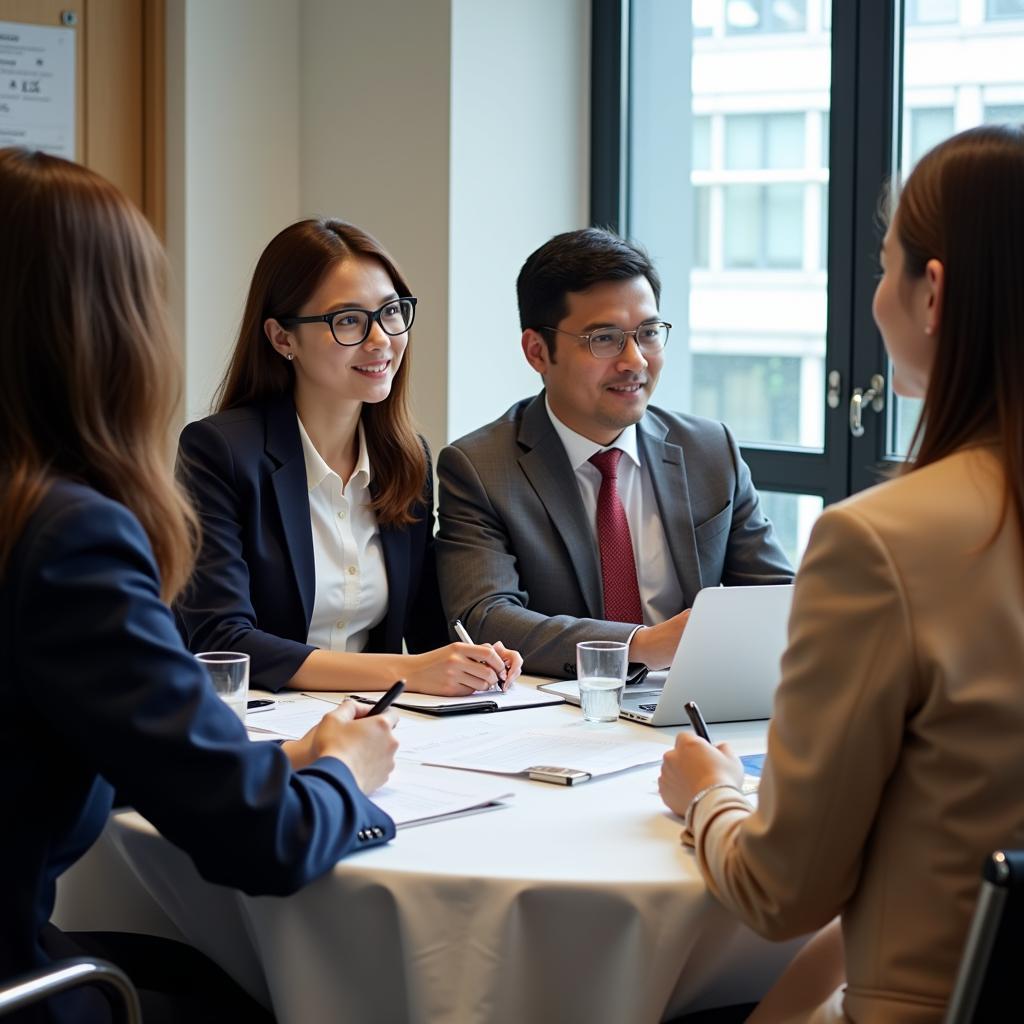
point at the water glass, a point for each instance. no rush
(229, 673)
(601, 673)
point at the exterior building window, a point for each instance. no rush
(701, 227)
(996, 10)
(934, 12)
(764, 16)
(756, 141)
(1004, 113)
(928, 127)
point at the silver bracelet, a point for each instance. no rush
(692, 806)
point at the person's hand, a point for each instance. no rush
(460, 669)
(366, 745)
(694, 764)
(513, 661)
(655, 646)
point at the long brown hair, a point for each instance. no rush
(963, 205)
(85, 355)
(288, 272)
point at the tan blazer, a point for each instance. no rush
(896, 750)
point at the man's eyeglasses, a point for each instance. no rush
(351, 326)
(608, 342)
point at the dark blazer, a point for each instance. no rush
(98, 692)
(516, 553)
(254, 584)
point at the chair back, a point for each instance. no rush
(65, 974)
(987, 981)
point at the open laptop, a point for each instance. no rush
(727, 660)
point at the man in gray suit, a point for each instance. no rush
(544, 540)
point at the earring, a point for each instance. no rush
(291, 355)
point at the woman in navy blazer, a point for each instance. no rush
(96, 687)
(314, 492)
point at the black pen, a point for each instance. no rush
(700, 727)
(388, 699)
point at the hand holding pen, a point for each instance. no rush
(505, 677)
(695, 766)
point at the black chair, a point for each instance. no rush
(66, 974)
(987, 984)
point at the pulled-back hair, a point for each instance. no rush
(89, 380)
(573, 262)
(963, 205)
(287, 274)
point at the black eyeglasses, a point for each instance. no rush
(608, 342)
(351, 326)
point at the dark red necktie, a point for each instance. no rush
(618, 568)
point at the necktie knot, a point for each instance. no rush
(607, 463)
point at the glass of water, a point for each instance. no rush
(229, 673)
(601, 673)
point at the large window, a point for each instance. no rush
(955, 78)
(777, 126)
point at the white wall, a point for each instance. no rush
(374, 140)
(456, 131)
(233, 165)
(519, 174)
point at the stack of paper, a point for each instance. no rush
(415, 795)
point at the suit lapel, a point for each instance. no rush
(667, 470)
(292, 492)
(394, 544)
(547, 468)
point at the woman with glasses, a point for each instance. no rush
(894, 761)
(96, 687)
(314, 492)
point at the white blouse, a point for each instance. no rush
(351, 581)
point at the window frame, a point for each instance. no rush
(864, 136)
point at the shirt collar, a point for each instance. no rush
(317, 470)
(580, 448)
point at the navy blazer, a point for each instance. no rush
(99, 692)
(254, 583)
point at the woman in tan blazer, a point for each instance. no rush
(895, 758)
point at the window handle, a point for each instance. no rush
(874, 396)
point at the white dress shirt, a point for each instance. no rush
(660, 593)
(351, 580)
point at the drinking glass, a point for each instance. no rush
(229, 673)
(601, 673)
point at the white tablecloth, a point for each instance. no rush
(571, 904)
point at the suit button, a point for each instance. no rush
(569, 669)
(361, 835)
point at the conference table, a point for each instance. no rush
(567, 904)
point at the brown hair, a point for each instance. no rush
(288, 272)
(85, 355)
(963, 205)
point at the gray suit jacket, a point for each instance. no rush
(516, 555)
